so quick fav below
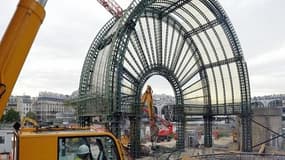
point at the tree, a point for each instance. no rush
(32, 115)
(11, 116)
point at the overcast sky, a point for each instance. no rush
(57, 55)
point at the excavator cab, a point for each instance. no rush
(94, 147)
(63, 144)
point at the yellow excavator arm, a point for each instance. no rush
(148, 100)
(16, 43)
(30, 120)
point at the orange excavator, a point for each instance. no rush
(167, 132)
(157, 134)
(164, 133)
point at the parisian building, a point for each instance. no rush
(48, 106)
(22, 104)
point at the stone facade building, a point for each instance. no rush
(48, 107)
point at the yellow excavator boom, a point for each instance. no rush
(30, 120)
(148, 100)
(16, 44)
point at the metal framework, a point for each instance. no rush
(189, 42)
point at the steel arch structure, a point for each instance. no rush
(191, 43)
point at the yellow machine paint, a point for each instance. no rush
(16, 44)
(148, 100)
(38, 146)
(43, 145)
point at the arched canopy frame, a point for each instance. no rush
(190, 42)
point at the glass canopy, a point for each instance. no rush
(189, 42)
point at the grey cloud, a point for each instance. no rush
(260, 25)
(260, 28)
(70, 26)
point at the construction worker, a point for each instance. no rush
(83, 153)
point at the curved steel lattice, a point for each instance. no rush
(189, 42)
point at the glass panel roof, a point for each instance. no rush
(188, 42)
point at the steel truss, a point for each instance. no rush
(191, 43)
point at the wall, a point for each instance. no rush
(5, 140)
(271, 118)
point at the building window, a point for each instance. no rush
(2, 139)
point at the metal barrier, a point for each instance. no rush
(240, 156)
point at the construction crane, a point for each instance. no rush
(112, 6)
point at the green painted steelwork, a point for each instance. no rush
(189, 42)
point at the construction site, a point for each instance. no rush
(193, 45)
